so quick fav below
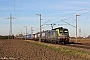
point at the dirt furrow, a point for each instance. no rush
(21, 50)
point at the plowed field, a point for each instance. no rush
(22, 50)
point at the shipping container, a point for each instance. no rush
(31, 36)
(49, 36)
(24, 37)
(43, 36)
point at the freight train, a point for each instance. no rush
(56, 35)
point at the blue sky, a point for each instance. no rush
(53, 10)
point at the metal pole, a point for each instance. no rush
(21, 34)
(31, 30)
(10, 24)
(76, 27)
(26, 31)
(79, 33)
(40, 29)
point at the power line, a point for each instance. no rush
(74, 13)
(46, 22)
(14, 6)
(72, 17)
(68, 23)
(80, 14)
(84, 13)
(20, 8)
(77, 11)
(85, 18)
(1, 12)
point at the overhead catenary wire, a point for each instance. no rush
(45, 22)
(80, 14)
(84, 13)
(72, 17)
(73, 13)
(86, 17)
(77, 11)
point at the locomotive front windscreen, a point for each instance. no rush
(61, 30)
(66, 32)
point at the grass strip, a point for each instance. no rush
(69, 51)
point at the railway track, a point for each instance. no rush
(85, 47)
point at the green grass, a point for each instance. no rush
(68, 51)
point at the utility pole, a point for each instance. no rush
(77, 26)
(84, 35)
(10, 23)
(80, 33)
(31, 30)
(21, 34)
(26, 31)
(40, 27)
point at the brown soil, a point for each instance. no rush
(22, 50)
(83, 41)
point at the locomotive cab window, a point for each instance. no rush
(61, 31)
(66, 32)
